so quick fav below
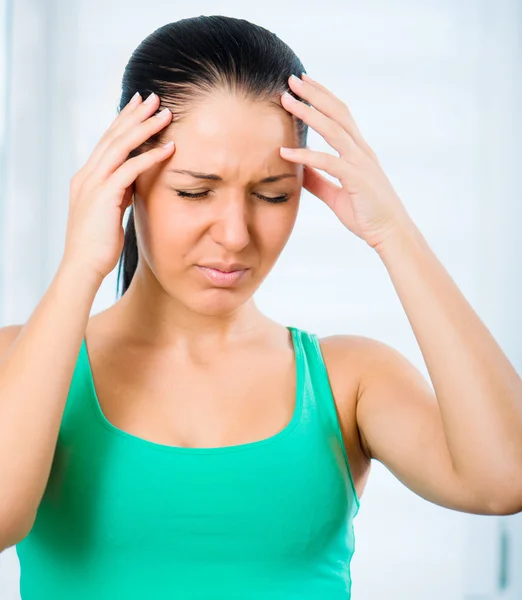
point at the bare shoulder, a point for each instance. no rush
(360, 356)
(357, 347)
(360, 362)
(345, 347)
(361, 366)
(346, 358)
(8, 336)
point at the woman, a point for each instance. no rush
(181, 444)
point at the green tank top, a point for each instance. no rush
(123, 517)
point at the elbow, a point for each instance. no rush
(508, 503)
(506, 509)
(11, 538)
(13, 531)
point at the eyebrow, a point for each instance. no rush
(214, 177)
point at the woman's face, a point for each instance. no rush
(232, 220)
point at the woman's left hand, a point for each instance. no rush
(366, 203)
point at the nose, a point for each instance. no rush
(231, 225)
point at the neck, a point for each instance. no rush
(153, 317)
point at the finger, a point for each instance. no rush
(135, 101)
(329, 193)
(118, 150)
(89, 165)
(324, 100)
(136, 114)
(129, 171)
(339, 168)
(321, 187)
(131, 116)
(327, 127)
(133, 104)
(127, 199)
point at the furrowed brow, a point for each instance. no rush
(214, 177)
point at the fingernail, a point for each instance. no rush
(150, 98)
(163, 113)
(135, 98)
(290, 97)
(296, 79)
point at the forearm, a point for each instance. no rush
(35, 375)
(478, 390)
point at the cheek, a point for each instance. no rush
(277, 227)
(166, 234)
(169, 232)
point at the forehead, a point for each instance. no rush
(228, 123)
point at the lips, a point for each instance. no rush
(224, 268)
(222, 278)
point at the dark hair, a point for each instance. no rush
(184, 61)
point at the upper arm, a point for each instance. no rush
(10, 536)
(401, 426)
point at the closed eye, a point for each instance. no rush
(274, 200)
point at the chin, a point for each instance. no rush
(217, 304)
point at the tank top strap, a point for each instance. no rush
(315, 375)
(319, 396)
(78, 395)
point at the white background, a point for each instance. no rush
(435, 87)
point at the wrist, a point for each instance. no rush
(403, 235)
(80, 275)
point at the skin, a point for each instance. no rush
(199, 351)
(239, 140)
(178, 362)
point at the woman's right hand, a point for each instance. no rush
(102, 189)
